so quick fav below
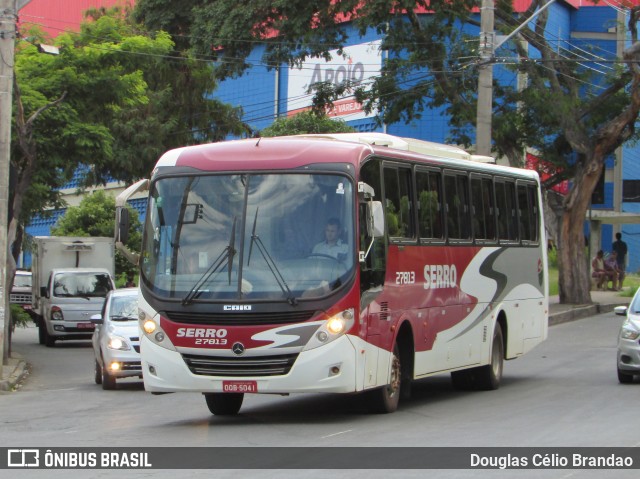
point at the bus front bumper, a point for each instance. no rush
(327, 369)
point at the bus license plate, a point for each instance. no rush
(239, 386)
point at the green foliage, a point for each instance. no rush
(95, 216)
(306, 122)
(19, 317)
(125, 97)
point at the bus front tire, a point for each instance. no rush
(385, 400)
(484, 378)
(224, 404)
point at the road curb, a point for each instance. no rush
(579, 312)
(13, 373)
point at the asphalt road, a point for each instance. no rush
(563, 393)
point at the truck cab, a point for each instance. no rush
(69, 300)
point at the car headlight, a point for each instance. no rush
(118, 342)
(631, 334)
(334, 327)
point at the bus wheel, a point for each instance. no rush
(488, 377)
(224, 404)
(385, 399)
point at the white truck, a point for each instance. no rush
(71, 278)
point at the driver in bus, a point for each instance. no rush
(332, 245)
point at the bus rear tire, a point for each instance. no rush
(224, 404)
(483, 378)
(487, 378)
(385, 400)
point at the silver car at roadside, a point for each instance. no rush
(116, 339)
(628, 360)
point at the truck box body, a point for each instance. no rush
(71, 278)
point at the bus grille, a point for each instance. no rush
(240, 367)
(244, 319)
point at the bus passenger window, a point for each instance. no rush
(398, 209)
(507, 217)
(457, 201)
(429, 204)
(527, 208)
(482, 208)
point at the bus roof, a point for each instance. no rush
(288, 152)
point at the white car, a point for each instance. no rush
(629, 341)
(116, 340)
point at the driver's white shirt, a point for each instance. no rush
(334, 250)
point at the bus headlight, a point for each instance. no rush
(149, 326)
(332, 329)
(154, 332)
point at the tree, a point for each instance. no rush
(432, 65)
(111, 102)
(95, 216)
(306, 122)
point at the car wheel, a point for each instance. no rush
(624, 378)
(97, 372)
(49, 341)
(108, 381)
(42, 330)
(385, 400)
(224, 404)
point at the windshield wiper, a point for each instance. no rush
(227, 255)
(291, 299)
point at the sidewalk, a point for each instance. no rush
(603, 302)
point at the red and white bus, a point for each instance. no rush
(336, 264)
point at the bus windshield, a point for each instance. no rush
(249, 236)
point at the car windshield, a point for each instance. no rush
(124, 308)
(635, 304)
(221, 237)
(81, 284)
(22, 281)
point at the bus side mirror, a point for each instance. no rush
(375, 219)
(122, 224)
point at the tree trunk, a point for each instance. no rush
(574, 268)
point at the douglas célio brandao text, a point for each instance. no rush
(550, 461)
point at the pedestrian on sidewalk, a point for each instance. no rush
(620, 247)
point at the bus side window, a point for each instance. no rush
(398, 202)
(428, 185)
(457, 201)
(482, 209)
(528, 213)
(507, 213)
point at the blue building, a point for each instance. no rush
(590, 30)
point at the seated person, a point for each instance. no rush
(598, 272)
(613, 271)
(332, 245)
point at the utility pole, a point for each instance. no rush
(488, 46)
(8, 16)
(485, 79)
